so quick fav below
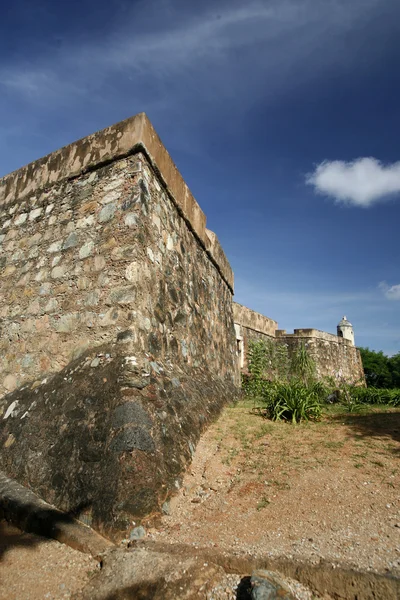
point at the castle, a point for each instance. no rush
(120, 338)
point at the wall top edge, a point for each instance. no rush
(106, 146)
(312, 333)
(253, 320)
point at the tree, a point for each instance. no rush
(394, 367)
(377, 368)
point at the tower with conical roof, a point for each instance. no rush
(345, 330)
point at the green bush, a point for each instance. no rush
(302, 365)
(287, 388)
(373, 395)
(291, 401)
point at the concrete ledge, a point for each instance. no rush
(252, 320)
(111, 144)
(28, 512)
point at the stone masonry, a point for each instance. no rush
(334, 356)
(249, 326)
(117, 343)
(88, 255)
(119, 338)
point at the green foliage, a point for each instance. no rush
(292, 401)
(347, 396)
(258, 360)
(268, 361)
(355, 398)
(321, 389)
(371, 395)
(286, 387)
(394, 367)
(381, 371)
(303, 366)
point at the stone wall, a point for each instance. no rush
(103, 246)
(110, 250)
(334, 356)
(250, 325)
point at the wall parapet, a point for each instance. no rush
(106, 146)
(253, 320)
(312, 333)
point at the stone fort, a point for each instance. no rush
(120, 339)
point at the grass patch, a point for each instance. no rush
(333, 445)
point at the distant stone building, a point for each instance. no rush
(335, 356)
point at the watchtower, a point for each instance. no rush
(345, 330)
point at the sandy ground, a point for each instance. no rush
(325, 490)
(34, 568)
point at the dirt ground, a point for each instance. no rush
(35, 568)
(325, 490)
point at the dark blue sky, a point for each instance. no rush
(267, 107)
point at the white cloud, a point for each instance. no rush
(391, 292)
(361, 182)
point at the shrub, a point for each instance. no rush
(287, 388)
(292, 401)
(303, 366)
(373, 395)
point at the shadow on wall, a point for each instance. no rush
(375, 425)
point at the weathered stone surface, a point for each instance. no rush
(267, 585)
(93, 449)
(130, 438)
(175, 300)
(71, 241)
(334, 356)
(152, 575)
(137, 533)
(86, 250)
(107, 213)
(87, 257)
(128, 413)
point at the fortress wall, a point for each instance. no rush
(110, 250)
(108, 145)
(249, 326)
(117, 340)
(253, 320)
(334, 356)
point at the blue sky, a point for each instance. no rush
(282, 115)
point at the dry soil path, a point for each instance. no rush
(327, 490)
(35, 568)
